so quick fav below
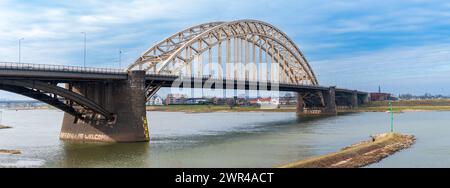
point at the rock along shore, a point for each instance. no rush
(358, 155)
(4, 127)
(4, 151)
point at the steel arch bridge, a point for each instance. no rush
(240, 50)
(109, 105)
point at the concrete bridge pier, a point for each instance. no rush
(300, 105)
(364, 98)
(125, 99)
(329, 98)
(354, 100)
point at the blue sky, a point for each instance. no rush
(404, 46)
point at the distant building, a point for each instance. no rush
(268, 103)
(253, 102)
(288, 100)
(382, 97)
(22, 104)
(175, 99)
(197, 101)
(241, 101)
(155, 101)
(218, 101)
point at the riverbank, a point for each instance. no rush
(4, 151)
(14, 152)
(216, 108)
(400, 109)
(44, 107)
(379, 106)
(359, 155)
(4, 127)
(407, 106)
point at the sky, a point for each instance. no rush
(402, 46)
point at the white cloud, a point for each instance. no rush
(52, 32)
(108, 24)
(406, 67)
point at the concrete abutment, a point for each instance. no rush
(327, 103)
(125, 99)
(354, 100)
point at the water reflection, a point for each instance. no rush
(251, 139)
(77, 154)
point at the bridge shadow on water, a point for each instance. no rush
(248, 131)
(77, 154)
(314, 118)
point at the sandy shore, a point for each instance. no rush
(4, 151)
(4, 127)
(358, 155)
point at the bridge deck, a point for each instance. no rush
(64, 74)
(194, 82)
(58, 72)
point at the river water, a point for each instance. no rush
(250, 139)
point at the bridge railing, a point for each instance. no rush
(216, 78)
(66, 68)
(57, 68)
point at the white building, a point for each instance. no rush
(155, 101)
(268, 103)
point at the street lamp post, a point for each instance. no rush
(84, 62)
(20, 40)
(120, 59)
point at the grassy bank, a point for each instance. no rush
(380, 106)
(216, 108)
(409, 105)
(358, 155)
(403, 108)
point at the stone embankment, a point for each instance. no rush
(359, 155)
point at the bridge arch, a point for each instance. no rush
(176, 54)
(58, 97)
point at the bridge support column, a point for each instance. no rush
(329, 98)
(300, 105)
(354, 100)
(365, 99)
(125, 99)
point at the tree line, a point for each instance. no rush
(422, 97)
